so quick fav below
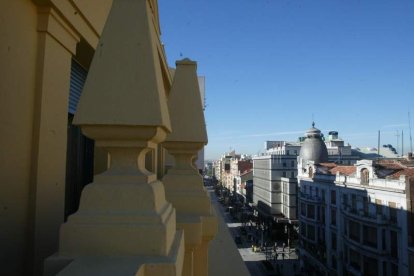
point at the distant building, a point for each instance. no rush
(275, 172)
(246, 186)
(354, 219)
(274, 180)
(241, 168)
(386, 151)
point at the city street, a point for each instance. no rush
(286, 261)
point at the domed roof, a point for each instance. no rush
(313, 148)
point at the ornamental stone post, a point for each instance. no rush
(124, 225)
(183, 184)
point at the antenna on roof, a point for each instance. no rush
(402, 143)
(379, 142)
(409, 125)
(397, 134)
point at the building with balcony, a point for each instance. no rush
(275, 174)
(354, 219)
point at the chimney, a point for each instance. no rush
(410, 156)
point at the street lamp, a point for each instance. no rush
(287, 230)
(263, 227)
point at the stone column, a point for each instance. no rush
(56, 45)
(183, 184)
(124, 225)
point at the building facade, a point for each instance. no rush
(274, 180)
(240, 170)
(275, 173)
(48, 42)
(354, 219)
(245, 189)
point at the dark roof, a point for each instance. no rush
(345, 170)
(395, 168)
(384, 168)
(313, 148)
(332, 168)
(245, 165)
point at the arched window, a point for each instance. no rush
(364, 176)
(310, 172)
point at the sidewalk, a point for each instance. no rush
(285, 263)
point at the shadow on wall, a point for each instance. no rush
(360, 229)
(263, 208)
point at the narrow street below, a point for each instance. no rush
(281, 262)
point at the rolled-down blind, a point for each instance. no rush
(77, 80)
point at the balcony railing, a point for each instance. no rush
(311, 198)
(361, 247)
(366, 216)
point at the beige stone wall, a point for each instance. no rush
(38, 38)
(17, 87)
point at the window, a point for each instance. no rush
(287, 152)
(384, 242)
(394, 269)
(345, 200)
(334, 262)
(353, 203)
(369, 236)
(378, 206)
(364, 176)
(292, 163)
(303, 209)
(345, 227)
(292, 174)
(323, 196)
(318, 213)
(284, 164)
(284, 174)
(394, 244)
(365, 205)
(333, 197)
(311, 232)
(296, 152)
(333, 216)
(354, 230)
(354, 259)
(323, 214)
(370, 266)
(321, 238)
(333, 241)
(393, 211)
(345, 253)
(311, 211)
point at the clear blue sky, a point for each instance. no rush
(271, 64)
